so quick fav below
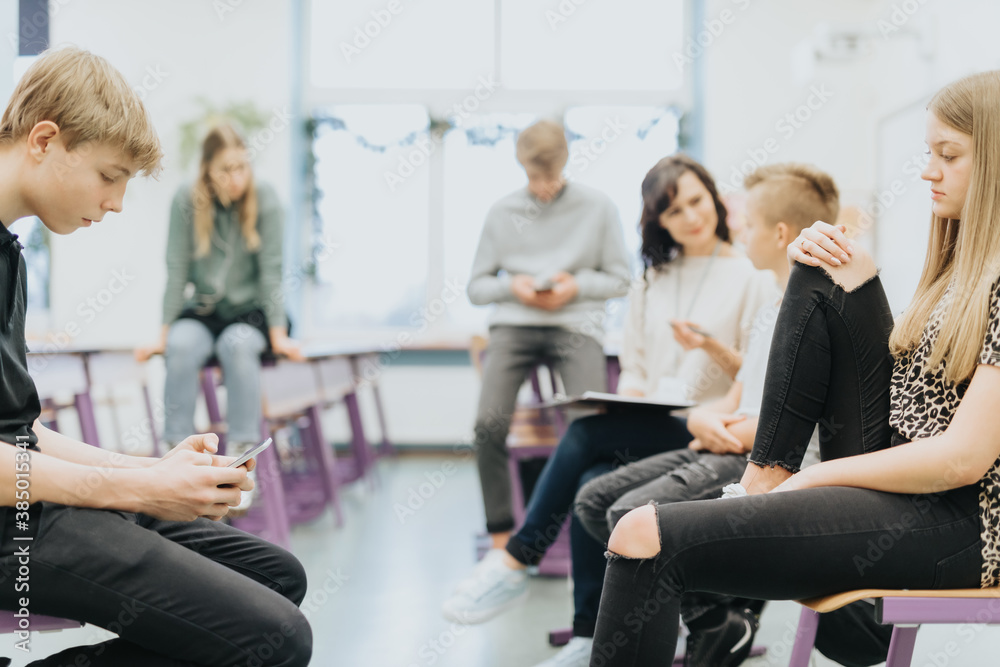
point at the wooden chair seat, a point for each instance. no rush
(905, 610)
(828, 603)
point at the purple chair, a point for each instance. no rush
(268, 518)
(905, 610)
(10, 623)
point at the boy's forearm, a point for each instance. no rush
(62, 447)
(55, 480)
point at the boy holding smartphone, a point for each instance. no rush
(103, 534)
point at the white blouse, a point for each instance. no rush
(720, 295)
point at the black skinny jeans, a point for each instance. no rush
(829, 361)
(178, 594)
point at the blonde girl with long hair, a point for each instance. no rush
(225, 241)
(908, 417)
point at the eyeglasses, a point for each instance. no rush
(231, 169)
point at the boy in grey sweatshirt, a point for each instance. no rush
(549, 257)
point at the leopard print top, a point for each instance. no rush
(923, 403)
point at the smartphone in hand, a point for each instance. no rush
(694, 329)
(251, 454)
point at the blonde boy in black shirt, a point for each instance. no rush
(115, 535)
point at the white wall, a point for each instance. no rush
(176, 52)
(755, 74)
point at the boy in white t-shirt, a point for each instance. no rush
(782, 200)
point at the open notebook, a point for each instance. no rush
(599, 399)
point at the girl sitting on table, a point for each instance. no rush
(224, 241)
(693, 275)
(915, 454)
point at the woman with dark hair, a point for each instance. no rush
(225, 240)
(692, 272)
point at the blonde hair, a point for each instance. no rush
(89, 100)
(203, 194)
(964, 252)
(543, 145)
(796, 194)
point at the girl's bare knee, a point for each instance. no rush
(856, 272)
(637, 534)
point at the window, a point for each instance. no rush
(404, 182)
(377, 226)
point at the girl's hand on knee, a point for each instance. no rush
(821, 244)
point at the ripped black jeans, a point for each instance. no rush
(829, 364)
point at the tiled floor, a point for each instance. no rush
(376, 586)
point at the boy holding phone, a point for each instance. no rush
(103, 533)
(549, 257)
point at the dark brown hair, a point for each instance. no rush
(658, 191)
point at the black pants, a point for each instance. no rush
(177, 593)
(829, 361)
(591, 447)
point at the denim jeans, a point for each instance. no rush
(513, 352)
(829, 361)
(189, 345)
(178, 594)
(670, 477)
(591, 446)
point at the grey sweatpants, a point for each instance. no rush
(513, 351)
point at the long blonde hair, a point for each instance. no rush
(963, 252)
(203, 193)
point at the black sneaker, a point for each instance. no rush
(725, 645)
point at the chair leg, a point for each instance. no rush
(805, 638)
(901, 646)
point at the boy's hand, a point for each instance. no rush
(208, 443)
(186, 484)
(710, 432)
(563, 291)
(684, 334)
(523, 287)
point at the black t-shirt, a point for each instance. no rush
(19, 406)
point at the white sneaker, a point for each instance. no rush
(491, 589)
(574, 654)
(733, 491)
(488, 562)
